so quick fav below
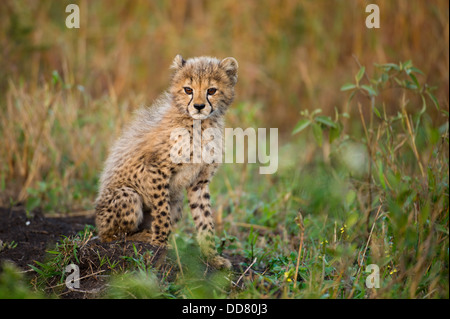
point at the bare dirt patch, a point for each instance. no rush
(25, 238)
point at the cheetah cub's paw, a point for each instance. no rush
(219, 262)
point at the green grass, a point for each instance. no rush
(14, 285)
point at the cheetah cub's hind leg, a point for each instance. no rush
(119, 214)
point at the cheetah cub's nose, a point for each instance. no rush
(199, 106)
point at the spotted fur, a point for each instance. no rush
(141, 189)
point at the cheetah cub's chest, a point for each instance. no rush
(184, 177)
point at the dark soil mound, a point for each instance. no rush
(27, 238)
(24, 239)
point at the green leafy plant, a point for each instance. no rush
(397, 167)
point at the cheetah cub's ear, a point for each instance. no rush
(178, 62)
(230, 65)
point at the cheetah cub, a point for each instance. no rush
(141, 188)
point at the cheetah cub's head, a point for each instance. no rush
(203, 87)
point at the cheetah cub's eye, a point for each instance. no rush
(211, 91)
(188, 90)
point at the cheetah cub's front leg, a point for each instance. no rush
(199, 201)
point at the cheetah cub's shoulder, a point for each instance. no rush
(141, 189)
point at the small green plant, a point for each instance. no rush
(14, 285)
(139, 260)
(134, 285)
(5, 245)
(52, 271)
(319, 123)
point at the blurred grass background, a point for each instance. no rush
(66, 93)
